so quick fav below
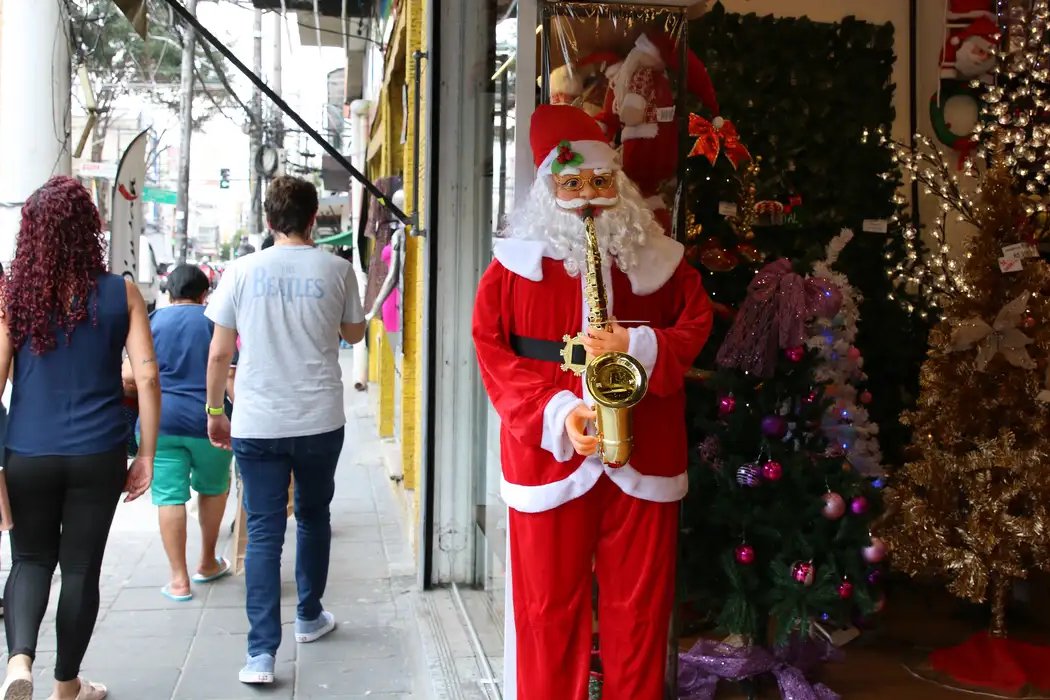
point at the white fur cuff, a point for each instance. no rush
(555, 440)
(643, 347)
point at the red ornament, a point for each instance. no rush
(845, 590)
(772, 471)
(874, 552)
(803, 572)
(1028, 321)
(865, 397)
(834, 506)
(853, 353)
(810, 398)
(726, 405)
(745, 555)
(795, 354)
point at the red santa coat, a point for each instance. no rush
(650, 148)
(527, 292)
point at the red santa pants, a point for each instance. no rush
(631, 545)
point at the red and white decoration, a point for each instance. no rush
(640, 105)
(572, 518)
(970, 52)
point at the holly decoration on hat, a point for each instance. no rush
(566, 158)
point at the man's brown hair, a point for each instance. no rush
(291, 204)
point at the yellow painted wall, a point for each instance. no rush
(414, 311)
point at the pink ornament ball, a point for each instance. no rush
(853, 353)
(772, 471)
(745, 555)
(880, 604)
(803, 572)
(859, 505)
(865, 397)
(834, 506)
(726, 405)
(875, 552)
(796, 353)
(845, 590)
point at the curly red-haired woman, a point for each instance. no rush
(67, 322)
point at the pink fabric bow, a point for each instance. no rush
(773, 317)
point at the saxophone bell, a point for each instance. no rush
(617, 382)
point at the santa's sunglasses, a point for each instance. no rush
(575, 183)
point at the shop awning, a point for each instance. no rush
(345, 238)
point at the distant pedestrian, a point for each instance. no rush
(185, 458)
(65, 322)
(289, 304)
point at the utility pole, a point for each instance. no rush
(34, 106)
(182, 208)
(278, 122)
(255, 228)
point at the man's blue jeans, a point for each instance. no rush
(266, 466)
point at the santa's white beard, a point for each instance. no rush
(622, 229)
(974, 58)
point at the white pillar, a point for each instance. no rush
(34, 107)
(359, 154)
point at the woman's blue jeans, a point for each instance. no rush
(266, 466)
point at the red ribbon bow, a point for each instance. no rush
(710, 140)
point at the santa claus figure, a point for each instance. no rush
(574, 85)
(642, 105)
(571, 517)
(971, 52)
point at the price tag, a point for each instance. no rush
(727, 208)
(875, 226)
(1019, 251)
(1011, 264)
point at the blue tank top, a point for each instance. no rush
(181, 339)
(68, 401)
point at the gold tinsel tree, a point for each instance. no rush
(973, 502)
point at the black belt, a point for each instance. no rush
(546, 350)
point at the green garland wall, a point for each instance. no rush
(802, 94)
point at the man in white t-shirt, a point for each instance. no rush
(289, 304)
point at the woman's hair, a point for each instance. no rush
(58, 258)
(187, 283)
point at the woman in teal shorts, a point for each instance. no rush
(185, 458)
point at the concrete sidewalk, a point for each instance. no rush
(148, 648)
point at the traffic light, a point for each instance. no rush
(224, 179)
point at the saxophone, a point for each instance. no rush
(616, 380)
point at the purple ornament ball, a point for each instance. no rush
(795, 354)
(875, 577)
(859, 505)
(834, 506)
(875, 552)
(745, 555)
(774, 427)
(749, 475)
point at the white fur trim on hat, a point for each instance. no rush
(612, 70)
(646, 46)
(596, 155)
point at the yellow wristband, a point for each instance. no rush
(213, 411)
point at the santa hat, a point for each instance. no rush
(697, 79)
(567, 139)
(983, 28)
(970, 9)
(608, 62)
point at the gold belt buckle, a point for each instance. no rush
(567, 364)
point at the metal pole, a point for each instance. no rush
(278, 125)
(182, 207)
(331, 150)
(255, 226)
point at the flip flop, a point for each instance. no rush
(225, 570)
(166, 592)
